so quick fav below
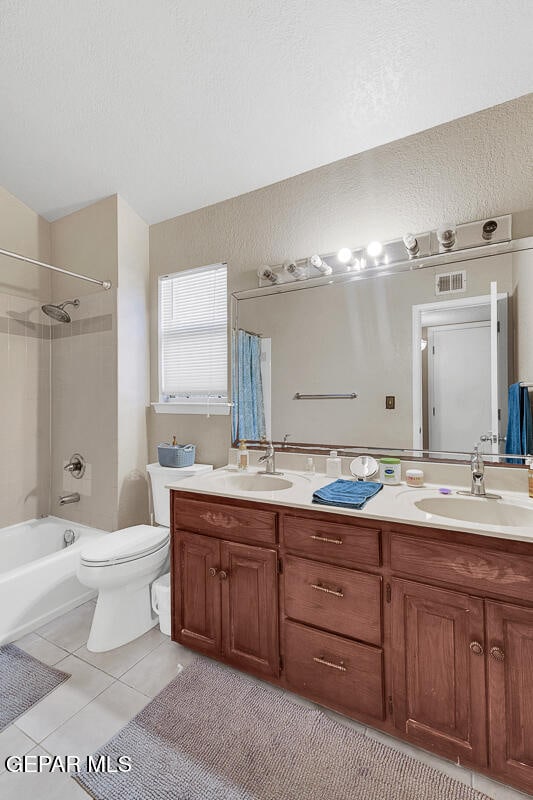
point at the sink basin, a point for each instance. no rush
(257, 483)
(482, 511)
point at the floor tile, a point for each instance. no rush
(40, 648)
(13, 742)
(117, 662)
(85, 683)
(452, 770)
(156, 669)
(497, 791)
(97, 722)
(71, 630)
(42, 786)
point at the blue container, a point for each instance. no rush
(176, 455)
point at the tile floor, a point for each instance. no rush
(106, 690)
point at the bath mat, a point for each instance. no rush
(24, 680)
(215, 734)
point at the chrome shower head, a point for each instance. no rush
(58, 312)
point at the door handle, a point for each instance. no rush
(223, 575)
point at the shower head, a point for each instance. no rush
(58, 312)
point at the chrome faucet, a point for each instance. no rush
(64, 499)
(477, 466)
(269, 459)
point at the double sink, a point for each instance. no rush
(509, 512)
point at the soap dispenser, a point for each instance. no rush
(242, 460)
(333, 465)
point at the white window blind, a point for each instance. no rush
(193, 336)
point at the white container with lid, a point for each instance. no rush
(333, 465)
(414, 477)
(390, 470)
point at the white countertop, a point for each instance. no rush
(391, 504)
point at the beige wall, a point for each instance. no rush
(133, 367)
(84, 366)
(477, 166)
(24, 365)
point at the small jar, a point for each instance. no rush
(390, 470)
(414, 477)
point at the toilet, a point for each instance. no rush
(123, 565)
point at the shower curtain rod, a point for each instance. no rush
(105, 284)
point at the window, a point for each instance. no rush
(193, 341)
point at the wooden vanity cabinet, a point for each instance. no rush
(424, 633)
(225, 593)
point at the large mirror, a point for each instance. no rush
(418, 360)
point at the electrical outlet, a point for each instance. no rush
(390, 401)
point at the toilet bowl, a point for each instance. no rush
(123, 565)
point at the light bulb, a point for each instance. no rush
(411, 244)
(316, 262)
(446, 235)
(344, 255)
(296, 272)
(374, 249)
(266, 273)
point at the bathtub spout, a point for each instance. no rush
(69, 498)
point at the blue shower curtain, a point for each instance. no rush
(248, 409)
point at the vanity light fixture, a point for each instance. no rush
(374, 249)
(411, 245)
(294, 271)
(265, 273)
(345, 255)
(446, 236)
(316, 262)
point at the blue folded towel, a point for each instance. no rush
(346, 494)
(519, 425)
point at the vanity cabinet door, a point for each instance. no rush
(250, 607)
(196, 592)
(439, 670)
(510, 684)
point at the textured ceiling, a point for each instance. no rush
(177, 105)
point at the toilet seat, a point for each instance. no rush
(128, 544)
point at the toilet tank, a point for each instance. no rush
(160, 477)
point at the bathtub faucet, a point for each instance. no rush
(69, 498)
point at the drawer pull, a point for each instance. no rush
(326, 539)
(320, 588)
(326, 663)
(497, 653)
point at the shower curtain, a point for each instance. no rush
(248, 409)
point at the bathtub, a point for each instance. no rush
(38, 574)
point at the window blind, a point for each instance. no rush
(193, 336)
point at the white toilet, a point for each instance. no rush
(122, 565)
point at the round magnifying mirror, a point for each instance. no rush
(364, 467)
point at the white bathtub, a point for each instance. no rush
(38, 574)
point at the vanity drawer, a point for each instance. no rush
(346, 545)
(339, 600)
(334, 671)
(223, 521)
(472, 568)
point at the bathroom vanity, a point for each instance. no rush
(421, 631)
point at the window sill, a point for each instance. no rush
(209, 409)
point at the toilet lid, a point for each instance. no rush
(124, 545)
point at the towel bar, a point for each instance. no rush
(299, 396)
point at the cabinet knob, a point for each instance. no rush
(212, 571)
(477, 648)
(223, 575)
(497, 653)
